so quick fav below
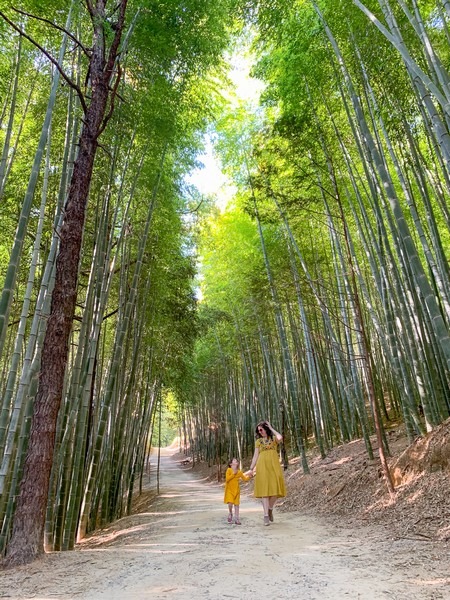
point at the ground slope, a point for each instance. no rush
(346, 485)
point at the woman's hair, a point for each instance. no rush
(263, 424)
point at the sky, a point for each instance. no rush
(211, 180)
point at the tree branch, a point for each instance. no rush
(110, 314)
(115, 9)
(72, 37)
(50, 58)
(89, 7)
(194, 210)
(113, 50)
(112, 57)
(111, 106)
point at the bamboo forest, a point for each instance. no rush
(137, 308)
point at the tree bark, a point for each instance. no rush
(27, 537)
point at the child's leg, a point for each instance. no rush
(236, 512)
(230, 512)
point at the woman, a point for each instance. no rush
(269, 480)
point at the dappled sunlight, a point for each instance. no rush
(181, 546)
(179, 495)
(432, 582)
(414, 497)
(167, 544)
(445, 533)
(439, 581)
(160, 551)
(193, 483)
(153, 590)
(138, 548)
(343, 460)
(171, 513)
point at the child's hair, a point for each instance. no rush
(231, 460)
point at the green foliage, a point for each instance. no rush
(169, 421)
(306, 269)
(329, 168)
(135, 324)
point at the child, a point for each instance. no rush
(232, 489)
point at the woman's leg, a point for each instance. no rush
(272, 501)
(265, 503)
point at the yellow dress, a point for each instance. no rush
(232, 489)
(269, 480)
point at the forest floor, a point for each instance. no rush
(337, 535)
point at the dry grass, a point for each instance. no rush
(346, 484)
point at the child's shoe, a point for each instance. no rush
(237, 522)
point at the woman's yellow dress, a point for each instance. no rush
(269, 480)
(232, 489)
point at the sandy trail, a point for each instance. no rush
(182, 548)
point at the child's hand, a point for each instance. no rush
(248, 473)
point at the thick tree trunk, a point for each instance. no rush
(27, 538)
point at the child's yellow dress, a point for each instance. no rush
(269, 480)
(232, 486)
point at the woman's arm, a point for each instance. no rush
(254, 459)
(278, 436)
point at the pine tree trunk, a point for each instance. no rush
(28, 529)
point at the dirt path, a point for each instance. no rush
(182, 548)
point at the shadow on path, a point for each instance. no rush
(183, 548)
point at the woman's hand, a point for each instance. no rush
(275, 433)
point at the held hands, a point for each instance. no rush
(249, 473)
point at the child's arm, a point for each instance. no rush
(229, 475)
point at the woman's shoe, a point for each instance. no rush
(266, 521)
(230, 519)
(271, 515)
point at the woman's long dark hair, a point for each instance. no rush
(265, 427)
